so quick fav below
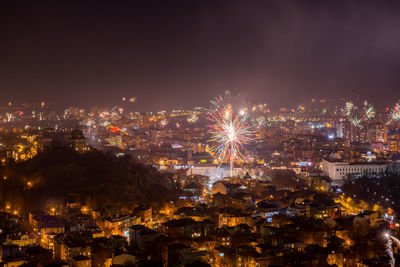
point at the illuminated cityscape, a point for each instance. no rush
(131, 139)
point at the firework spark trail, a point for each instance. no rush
(218, 102)
(395, 240)
(356, 121)
(229, 133)
(389, 249)
(9, 116)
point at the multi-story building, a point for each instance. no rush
(211, 170)
(377, 132)
(338, 170)
(119, 225)
(46, 227)
(394, 142)
(21, 239)
(115, 141)
(230, 218)
(67, 246)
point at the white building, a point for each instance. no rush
(215, 172)
(337, 170)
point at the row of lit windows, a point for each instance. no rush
(359, 169)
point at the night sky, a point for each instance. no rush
(187, 52)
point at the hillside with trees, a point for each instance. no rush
(95, 178)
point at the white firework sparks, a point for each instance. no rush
(229, 133)
(193, 118)
(9, 116)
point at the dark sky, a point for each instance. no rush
(186, 52)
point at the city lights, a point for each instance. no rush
(113, 154)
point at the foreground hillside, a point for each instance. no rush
(96, 178)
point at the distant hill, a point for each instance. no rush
(100, 179)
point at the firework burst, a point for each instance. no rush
(193, 118)
(163, 123)
(358, 115)
(261, 122)
(394, 115)
(218, 102)
(229, 133)
(352, 113)
(369, 112)
(356, 121)
(349, 108)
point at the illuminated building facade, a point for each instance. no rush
(338, 170)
